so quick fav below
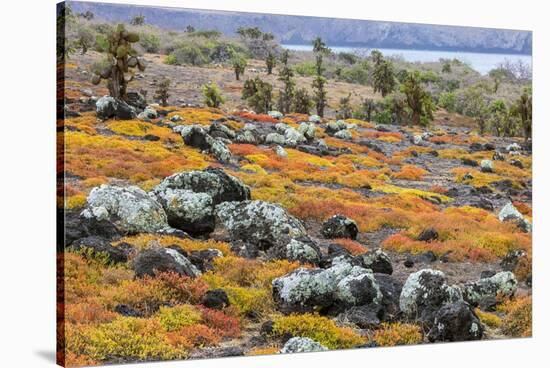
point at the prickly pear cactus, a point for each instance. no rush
(123, 58)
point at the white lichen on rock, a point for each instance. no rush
(301, 345)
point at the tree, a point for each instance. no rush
(189, 29)
(286, 95)
(270, 62)
(124, 59)
(138, 20)
(498, 75)
(161, 92)
(499, 116)
(418, 100)
(249, 32)
(302, 101)
(368, 107)
(345, 111)
(396, 105)
(524, 109)
(446, 67)
(376, 57)
(85, 40)
(239, 66)
(258, 94)
(384, 78)
(318, 84)
(212, 95)
(319, 46)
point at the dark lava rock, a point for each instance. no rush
(153, 260)
(107, 107)
(136, 100)
(215, 299)
(204, 259)
(517, 163)
(377, 261)
(456, 322)
(212, 353)
(469, 162)
(244, 249)
(489, 147)
(428, 234)
(391, 290)
(99, 245)
(127, 311)
(512, 259)
(151, 137)
(364, 316)
(409, 263)
(487, 273)
(339, 226)
(424, 293)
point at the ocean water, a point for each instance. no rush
(481, 62)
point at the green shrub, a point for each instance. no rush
(189, 54)
(150, 42)
(305, 69)
(212, 95)
(447, 100)
(320, 329)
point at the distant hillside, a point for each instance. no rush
(341, 32)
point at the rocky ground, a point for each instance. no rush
(223, 232)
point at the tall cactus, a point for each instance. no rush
(122, 59)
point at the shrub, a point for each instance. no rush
(320, 329)
(410, 172)
(224, 325)
(518, 319)
(88, 312)
(150, 42)
(212, 95)
(489, 319)
(188, 54)
(124, 338)
(447, 100)
(200, 336)
(398, 334)
(161, 93)
(173, 319)
(258, 95)
(355, 248)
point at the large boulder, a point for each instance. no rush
(502, 285)
(339, 226)
(308, 130)
(343, 134)
(215, 299)
(196, 136)
(487, 166)
(275, 138)
(303, 250)
(189, 197)
(335, 126)
(260, 223)
(343, 284)
(108, 107)
(456, 322)
(510, 213)
(128, 209)
(293, 137)
(189, 211)
(157, 259)
(377, 261)
(301, 345)
(391, 290)
(136, 100)
(424, 293)
(215, 182)
(100, 246)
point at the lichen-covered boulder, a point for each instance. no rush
(218, 130)
(108, 107)
(339, 226)
(343, 134)
(302, 345)
(510, 213)
(305, 289)
(456, 322)
(377, 261)
(275, 114)
(196, 136)
(148, 114)
(128, 209)
(417, 139)
(219, 149)
(275, 138)
(215, 182)
(335, 126)
(246, 136)
(424, 293)
(280, 151)
(314, 119)
(281, 128)
(293, 137)
(308, 130)
(358, 289)
(302, 250)
(186, 210)
(260, 223)
(487, 166)
(514, 147)
(502, 285)
(153, 260)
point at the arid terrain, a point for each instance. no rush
(196, 232)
